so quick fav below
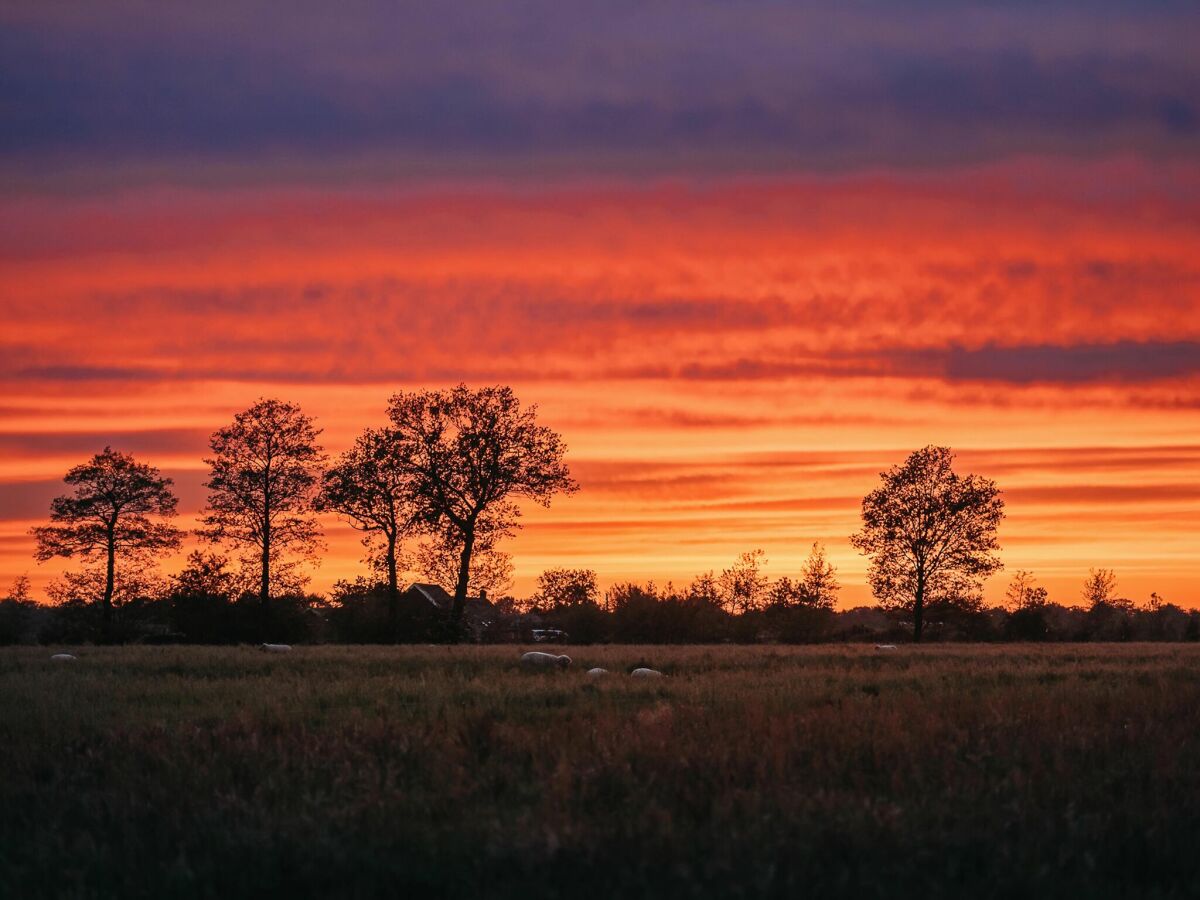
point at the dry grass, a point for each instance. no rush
(940, 771)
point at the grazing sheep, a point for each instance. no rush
(275, 648)
(62, 657)
(885, 646)
(535, 659)
(646, 673)
(597, 672)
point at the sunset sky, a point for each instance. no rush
(743, 256)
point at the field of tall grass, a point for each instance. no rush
(940, 771)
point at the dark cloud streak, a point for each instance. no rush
(797, 87)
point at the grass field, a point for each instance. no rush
(365, 771)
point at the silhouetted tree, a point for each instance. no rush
(818, 579)
(1100, 589)
(743, 586)
(784, 594)
(205, 573)
(201, 598)
(1026, 602)
(472, 453)
(114, 512)
(930, 533)
(16, 611)
(704, 590)
(369, 487)
(262, 478)
(562, 588)
(1024, 593)
(22, 591)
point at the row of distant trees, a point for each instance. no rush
(446, 470)
(204, 603)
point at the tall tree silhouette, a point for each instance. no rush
(262, 478)
(115, 511)
(369, 487)
(472, 453)
(930, 533)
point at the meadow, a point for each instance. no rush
(939, 771)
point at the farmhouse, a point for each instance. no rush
(431, 604)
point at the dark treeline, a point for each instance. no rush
(203, 605)
(434, 489)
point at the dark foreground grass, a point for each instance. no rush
(345, 771)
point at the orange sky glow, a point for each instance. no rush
(731, 360)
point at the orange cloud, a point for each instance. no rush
(732, 362)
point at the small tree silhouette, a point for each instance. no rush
(566, 588)
(1024, 593)
(743, 586)
(1100, 589)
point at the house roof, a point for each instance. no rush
(434, 594)
(439, 598)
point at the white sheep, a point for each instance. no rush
(275, 648)
(535, 659)
(646, 673)
(885, 646)
(597, 672)
(62, 657)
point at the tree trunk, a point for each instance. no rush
(460, 588)
(264, 587)
(393, 590)
(110, 577)
(919, 610)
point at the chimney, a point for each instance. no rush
(482, 595)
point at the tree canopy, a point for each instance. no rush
(262, 480)
(117, 510)
(930, 533)
(472, 454)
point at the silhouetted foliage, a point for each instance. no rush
(201, 599)
(817, 588)
(1100, 589)
(1027, 623)
(1024, 594)
(800, 623)
(360, 613)
(471, 455)
(438, 557)
(450, 469)
(17, 611)
(743, 586)
(369, 487)
(930, 533)
(565, 588)
(114, 514)
(262, 477)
